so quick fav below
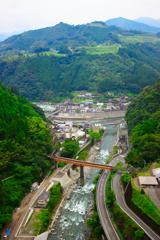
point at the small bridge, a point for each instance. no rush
(82, 164)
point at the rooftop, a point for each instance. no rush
(44, 195)
(148, 180)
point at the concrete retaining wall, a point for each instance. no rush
(145, 218)
(111, 114)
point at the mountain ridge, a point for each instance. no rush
(131, 24)
(149, 21)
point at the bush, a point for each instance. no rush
(142, 191)
(125, 178)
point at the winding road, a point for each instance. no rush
(121, 202)
(103, 212)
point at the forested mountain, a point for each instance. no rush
(149, 21)
(92, 57)
(130, 24)
(46, 77)
(25, 142)
(143, 120)
(63, 34)
(73, 36)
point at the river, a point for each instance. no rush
(72, 222)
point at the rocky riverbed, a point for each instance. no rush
(69, 221)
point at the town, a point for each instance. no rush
(87, 103)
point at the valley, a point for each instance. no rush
(88, 92)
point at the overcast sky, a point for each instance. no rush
(18, 15)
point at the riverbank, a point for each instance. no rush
(77, 207)
(74, 183)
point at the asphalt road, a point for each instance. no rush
(121, 202)
(102, 209)
(103, 212)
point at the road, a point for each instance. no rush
(103, 212)
(102, 209)
(121, 202)
(19, 216)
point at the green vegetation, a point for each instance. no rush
(25, 141)
(52, 171)
(157, 165)
(144, 174)
(52, 78)
(146, 205)
(95, 135)
(119, 164)
(128, 226)
(58, 146)
(143, 120)
(70, 148)
(83, 155)
(125, 178)
(45, 216)
(109, 159)
(101, 49)
(109, 192)
(115, 150)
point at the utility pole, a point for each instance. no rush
(144, 165)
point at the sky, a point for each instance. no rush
(17, 15)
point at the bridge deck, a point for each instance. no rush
(82, 163)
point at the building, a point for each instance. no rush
(122, 126)
(100, 104)
(122, 138)
(34, 186)
(87, 126)
(147, 181)
(43, 199)
(66, 101)
(97, 127)
(156, 173)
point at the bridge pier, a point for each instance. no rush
(81, 176)
(55, 164)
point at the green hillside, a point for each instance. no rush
(97, 69)
(67, 35)
(25, 142)
(143, 120)
(60, 34)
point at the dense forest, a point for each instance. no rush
(64, 34)
(143, 120)
(25, 141)
(48, 77)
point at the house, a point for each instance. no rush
(122, 138)
(109, 93)
(81, 143)
(122, 126)
(88, 94)
(87, 126)
(75, 133)
(43, 199)
(156, 173)
(100, 104)
(66, 101)
(97, 127)
(81, 133)
(147, 181)
(34, 186)
(81, 96)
